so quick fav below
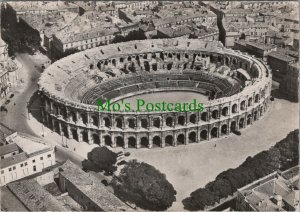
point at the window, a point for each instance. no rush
(41, 158)
(14, 168)
(25, 164)
(21, 165)
(33, 161)
(2, 157)
(14, 153)
(34, 168)
(9, 169)
(2, 171)
(49, 156)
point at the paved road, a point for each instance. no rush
(17, 114)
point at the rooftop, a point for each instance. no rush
(281, 56)
(41, 5)
(9, 148)
(91, 187)
(34, 196)
(12, 160)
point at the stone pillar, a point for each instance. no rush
(113, 141)
(69, 132)
(77, 117)
(125, 142)
(90, 140)
(79, 135)
(186, 138)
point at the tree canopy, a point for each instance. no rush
(145, 186)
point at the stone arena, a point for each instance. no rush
(237, 88)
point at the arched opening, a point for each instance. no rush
(119, 141)
(215, 114)
(56, 127)
(106, 122)
(193, 118)
(234, 108)
(154, 67)
(249, 102)
(241, 123)
(74, 134)
(73, 116)
(156, 141)
(144, 123)
(147, 66)
(233, 126)
(243, 105)
(96, 139)
(65, 131)
(192, 137)
(169, 66)
(180, 139)
(178, 56)
(131, 142)
(107, 140)
(224, 129)
(256, 98)
(243, 36)
(85, 137)
(63, 112)
(119, 123)
(225, 111)
(249, 119)
(181, 120)
(169, 140)
(156, 122)
(203, 135)
(170, 55)
(95, 121)
(83, 118)
(169, 121)
(214, 132)
(255, 116)
(161, 55)
(131, 123)
(204, 116)
(144, 142)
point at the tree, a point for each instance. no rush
(199, 199)
(101, 159)
(144, 185)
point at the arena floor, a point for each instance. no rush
(168, 97)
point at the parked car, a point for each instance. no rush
(237, 132)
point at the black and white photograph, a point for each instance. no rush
(149, 105)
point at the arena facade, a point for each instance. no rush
(237, 85)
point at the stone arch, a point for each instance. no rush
(144, 123)
(95, 121)
(119, 141)
(74, 134)
(214, 132)
(169, 121)
(107, 122)
(169, 140)
(144, 142)
(169, 66)
(181, 120)
(156, 141)
(85, 137)
(56, 127)
(161, 55)
(243, 105)
(131, 123)
(192, 137)
(224, 111)
(215, 114)
(119, 123)
(154, 66)
(241, 123)
(83, 118)
(224, 129)
(255, 117)
(256, 98)
(249, 116)
(156, 122)
(204, 116)
(180, 139)
(234, 108)
(170, 55)
(64, 131)
(193, 118)
(233, 126)
(203, 135)
(249, 101)
(131, 142)
(96, 139)
(107, 140)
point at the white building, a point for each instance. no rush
(23, 156)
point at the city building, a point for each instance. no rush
(3, 50)
(260, 50)
(279, 63)
(290, 82)
(4, 85)
(23, 156)
(275, 192)
(87, 190)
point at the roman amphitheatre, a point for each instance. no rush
(234, 88)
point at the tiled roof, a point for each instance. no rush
(15, 159)
(4, 132)
(6, 149)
